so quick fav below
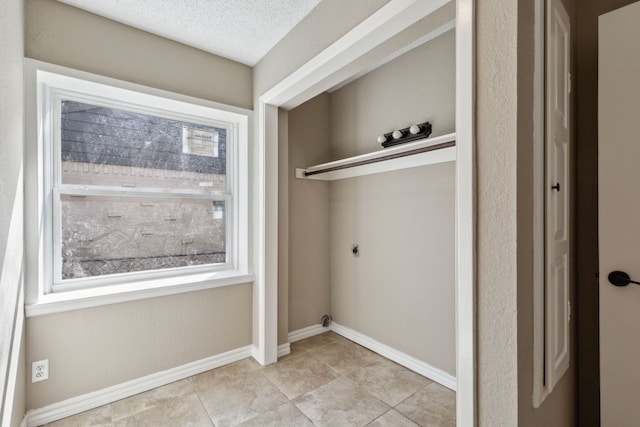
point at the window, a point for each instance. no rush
(136, 190)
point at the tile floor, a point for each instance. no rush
(327, 380)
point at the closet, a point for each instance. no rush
(374, 245)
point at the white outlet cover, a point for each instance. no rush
(40, 370)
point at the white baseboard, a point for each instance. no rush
(410, 362)
(92, 400)
(82, 403)
(307, 332)
(283, 350)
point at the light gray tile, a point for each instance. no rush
(434, 405)
(219, 375)
(312, 343)
(345, 356)
(299, 374)
(186, 411)
(98, 417)
(392, 419)
(284, 415)
(340, 403)
(239, 397)
(428, 419)
(143, 401)
(388, 381)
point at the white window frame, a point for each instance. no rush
(47, 293)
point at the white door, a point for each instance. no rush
(557, 186)
(619, 214)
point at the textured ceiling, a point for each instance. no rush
(241, 30)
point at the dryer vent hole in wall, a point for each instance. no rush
(355, 250)
(326, 320)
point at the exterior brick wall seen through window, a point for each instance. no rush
(104, 147)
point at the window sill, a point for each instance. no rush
(74, 300)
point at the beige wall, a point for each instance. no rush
(417, 86)
(95, 348)
(330, 18)
(497, 234)
(309, 215)
(327, 22)
(400, 290)
(133, 339)
(12, 394)
(68, 36)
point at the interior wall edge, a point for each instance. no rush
(496, 196)
(12, 331)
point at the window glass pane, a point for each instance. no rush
(110, 147)
(102, 235)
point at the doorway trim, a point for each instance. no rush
(540, 392)
(388, 21)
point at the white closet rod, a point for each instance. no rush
(363, 162)
(382, 159)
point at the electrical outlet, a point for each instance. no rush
(40, 370)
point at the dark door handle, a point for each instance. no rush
(556, 187)
(620, 278)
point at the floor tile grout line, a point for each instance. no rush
(345, 376)
(341, 375)
(200, 399)
(150, 408)
(431, 412)
(382, 415)
(414, 393)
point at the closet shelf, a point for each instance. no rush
(427, 151)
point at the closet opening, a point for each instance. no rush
(408, 292)
(396, 298)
